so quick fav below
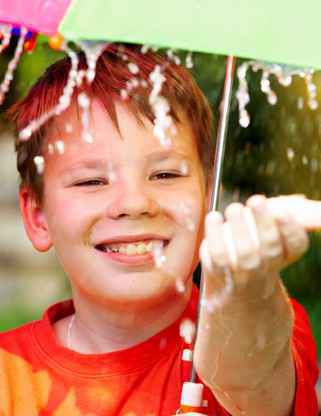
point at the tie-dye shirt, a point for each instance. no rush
(39, 377)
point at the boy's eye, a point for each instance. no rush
(91, 182)
(166, 175)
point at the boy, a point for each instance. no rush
(107, 207)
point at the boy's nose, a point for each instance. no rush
(133, 203)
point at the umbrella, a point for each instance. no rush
(270, 31)
(286, 31)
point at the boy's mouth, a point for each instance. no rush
(133, 248)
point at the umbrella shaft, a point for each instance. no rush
(222, 132)
(219, 157)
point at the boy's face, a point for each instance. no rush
(99, 197)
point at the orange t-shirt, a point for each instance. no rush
(39, 377)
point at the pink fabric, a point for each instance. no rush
(40, 15)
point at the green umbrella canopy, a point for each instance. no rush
(271, 30)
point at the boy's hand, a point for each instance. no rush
(254, 241)
(242, 350)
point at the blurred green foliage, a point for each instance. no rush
(279, 153)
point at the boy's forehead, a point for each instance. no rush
(69, 128)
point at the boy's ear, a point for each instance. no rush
(34, 220)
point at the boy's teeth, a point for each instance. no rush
(133, 249)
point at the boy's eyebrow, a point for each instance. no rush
(87, 164)
(167, 154)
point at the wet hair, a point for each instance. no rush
(112, 76)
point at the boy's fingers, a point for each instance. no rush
(268, 233)
(295, 238)
(215, 244)
(305, 211)
(244, 237)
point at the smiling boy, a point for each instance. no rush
(107, 207)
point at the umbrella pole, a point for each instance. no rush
(225, 107)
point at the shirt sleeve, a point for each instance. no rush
(305, 358)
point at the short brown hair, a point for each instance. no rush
(112, 76)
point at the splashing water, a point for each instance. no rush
(40, 164)
(173, 57)
(133, 68)
(84, 104)
(266, 88)
(5, 31)
(300, 104)
(189, 61)
(284, 75)
(158, 254)
(111, 174)
(160, 107)
(187, 330)
(51, 149)
(92, 51)
(242, 95)
(180, 285)
(290, 153)
(63, 102)
(144, 49)
(304, 160)
(60, 146)
(184, 168)
(4, 87)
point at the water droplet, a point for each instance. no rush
(25, 134)
(83, 100)
(124, 94)
(313, 104)
(187, 330)
(158, 254)
(111, 174)
(60, 146)
(4, 87)
(290, 153)
(40, 164)
(244, 120)
(184, 167)
(304, 160)
(133, 68)
(145, 49)
(272, 98)
(189, 61)
(87, 137)
(300, 103)
(180, 286)
(51, 149)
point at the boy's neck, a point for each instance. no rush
(97, 329)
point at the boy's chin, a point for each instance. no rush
(141, 297)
